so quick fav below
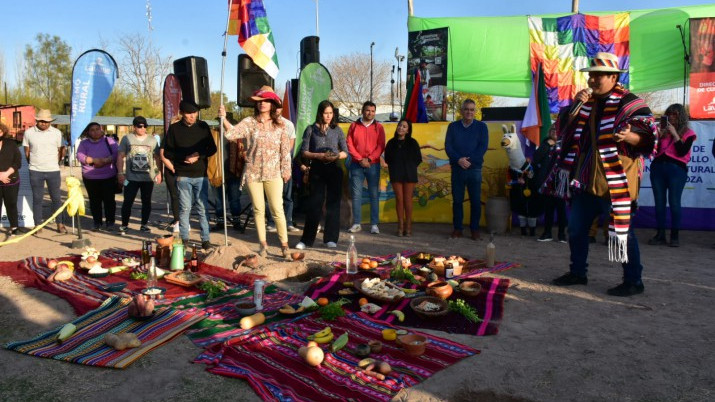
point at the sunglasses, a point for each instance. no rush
(140, 126)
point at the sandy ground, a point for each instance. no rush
(565, 344)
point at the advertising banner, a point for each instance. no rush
(93, 78)
(314, 86)
(427, 52)
(702, 69)
(172, 98)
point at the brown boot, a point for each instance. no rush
(61, 228)
(400, 228)
(408, 229)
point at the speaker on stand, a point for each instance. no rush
(250, 78)
(309, 51)
(193, 75)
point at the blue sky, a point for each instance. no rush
(183, 28)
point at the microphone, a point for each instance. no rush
(577, 106)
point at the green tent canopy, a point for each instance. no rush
(490, 55)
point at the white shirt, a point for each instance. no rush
(44, 148)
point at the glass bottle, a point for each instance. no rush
(194, 262)
(146, 253)
(151, 274)
(351, 258)
(491, 252)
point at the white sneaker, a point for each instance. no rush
(374, 229)
(320, 228)
(355, 228)
(271, 228)
(300, 246)
(176, 227)
(293, 229)
(330, 244)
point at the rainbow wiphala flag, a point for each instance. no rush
(248, 20)
(565, 45)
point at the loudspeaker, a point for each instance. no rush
(250, 79)
(193, 75)
(309, 51)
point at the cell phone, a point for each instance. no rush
(663, 122)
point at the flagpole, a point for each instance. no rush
(220, 123)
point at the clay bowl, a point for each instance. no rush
(439, 289)
(470, 288)
(413, 344)
(427, 315)
(165, 241)
(245, 308)
(375, 346)
(363, 350)
(297, 256)
(251, 260)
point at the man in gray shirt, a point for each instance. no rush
(44, 151)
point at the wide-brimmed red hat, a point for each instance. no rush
(266, 93)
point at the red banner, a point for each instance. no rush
(702, 69)
(172, 98)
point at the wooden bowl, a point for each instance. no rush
(470, 288)
(245, 307)
(439, 289)
(413, 344)
(165, 241)
(417, 301)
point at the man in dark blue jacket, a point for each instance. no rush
(466, 143)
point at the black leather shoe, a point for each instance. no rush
(626, 289)
(657, 240)
(570, 279)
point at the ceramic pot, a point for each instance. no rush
(439, 289)
(165, 241)
(413, 344)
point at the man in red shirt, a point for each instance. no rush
(366, 142)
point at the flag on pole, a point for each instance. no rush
(415, 109)
(248, 20)
(537, 120)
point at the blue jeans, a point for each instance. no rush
(358, 174)
(37, 183)
(193, 191)
(472, 179)
(584, 208)
(668, 180)
(287, 204)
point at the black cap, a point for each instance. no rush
(139, 120)
(187, 106)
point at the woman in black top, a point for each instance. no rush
(402, 155)
(323, 144)
(10, 162)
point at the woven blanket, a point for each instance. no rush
(86, 345)
(268, 359)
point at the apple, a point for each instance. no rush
(52, 264)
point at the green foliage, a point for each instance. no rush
(212, 112)
(122, 102)
(48, 71)
(454, 102)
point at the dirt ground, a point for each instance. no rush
(554, 344)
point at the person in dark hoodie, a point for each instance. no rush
(10, 162)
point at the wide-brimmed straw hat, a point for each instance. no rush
(44, 115)
(604, 62)
(266, 93)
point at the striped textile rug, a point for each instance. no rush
(268, 359)
(86, 345)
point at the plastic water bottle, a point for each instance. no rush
(351, 259)
(491, 252)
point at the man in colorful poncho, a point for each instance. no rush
(599, 168)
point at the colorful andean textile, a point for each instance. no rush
(268, 359)
(86, 345)
(248, 20)
(565, 45)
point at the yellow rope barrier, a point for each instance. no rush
(74, 204)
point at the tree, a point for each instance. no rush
(212, 112)
(454, 101)
(48, 70)
(142, 67)
(351, 81)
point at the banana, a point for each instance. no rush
(399, 314)
(326, 339)
(409, 291)
(321, 334)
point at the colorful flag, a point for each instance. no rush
(248, 20)
(537, 120)
(93, 79)
(415, 109)
(564, 45)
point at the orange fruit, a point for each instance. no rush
(323, 301)
(365, 265)
(373, 264)
(362, 301)
(366, 260)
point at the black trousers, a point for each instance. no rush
(170, 180)
(130, 194)
(559, 205)
(101, 193)
(8, 197)
(326, 185)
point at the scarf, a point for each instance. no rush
(563, 177)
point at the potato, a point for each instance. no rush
(52, 264)
(122, 341)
